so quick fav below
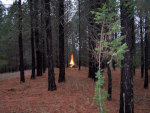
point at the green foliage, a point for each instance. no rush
(115, 49)
(136, 60)
(107, 18)
(100, 83)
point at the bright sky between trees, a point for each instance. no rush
(7, 3)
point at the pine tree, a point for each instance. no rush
(142, 52)
(61, 42)
(126, 94)
(79, 10)
(37, 38)
(21, 67)
(146, 52)
(42, 36)
(51, 76)
(93, 64)
(32, 39)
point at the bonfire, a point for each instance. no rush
(72, 63)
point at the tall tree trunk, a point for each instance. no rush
(90, 74)
(37, 39)
(51, 76)
(44, 56)
(142, 52)
(133, 44)
(93, 64)
(61, 42)
(114, 64)
(21, 67)
(67, 52)
(67, 32)
(55, 21)
(43, 38)
(79, 9)
(146, 53)
(126, 94)
(32, 40)
(109, 82)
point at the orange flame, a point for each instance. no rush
(72, 61)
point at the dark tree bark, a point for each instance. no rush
(146, 53)
(142, 52)
(109, 82)
(93, 64)
(79, 9)
(51, 76)
(32, 40)
(67, 52)
(21, 67)
(66, 29)
(61, 42)
(114, 64)
(133, 44)
(44, 56)
(126, 94)
(90, 74)
(43, 38)
(37, 39)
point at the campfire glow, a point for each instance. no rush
(72, 61)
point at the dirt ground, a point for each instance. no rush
(73, 96)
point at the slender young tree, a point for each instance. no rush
(79, 9)
(126, 94)
(61, 42)
(37, 39)
(93, 31)
(142, 52)
(146, 53)
(51, 76)
(21, 67)
(32, 39)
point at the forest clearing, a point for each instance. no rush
(73, 96)
(74, 56)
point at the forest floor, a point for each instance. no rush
(73, 96)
